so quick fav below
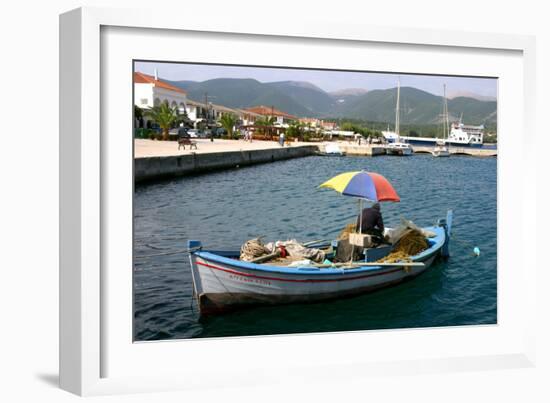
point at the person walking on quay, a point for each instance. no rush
(282, 139)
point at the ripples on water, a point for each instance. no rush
(281, 200)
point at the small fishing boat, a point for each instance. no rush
(332, 150)
(441, 151)
(399, 148)
(222, 282)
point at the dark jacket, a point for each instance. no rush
(371, 221)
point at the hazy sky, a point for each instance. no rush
(327, 80)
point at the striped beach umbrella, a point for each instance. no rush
(364, 185)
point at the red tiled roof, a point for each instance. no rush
(147, 79)
(269, 111)
(328, 124)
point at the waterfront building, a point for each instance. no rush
(247, 118)
(196, 111)
(281, 118)
(199, 111)
(151, 91)
(311, 122)
(328, 125)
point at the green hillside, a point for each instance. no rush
(314, 99)
(306, 100)
(416, 107)
(242, 93)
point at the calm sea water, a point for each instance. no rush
(281, 200)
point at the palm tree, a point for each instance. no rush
(265, 122)
(164, 116)
(228, 122)
(296, 130)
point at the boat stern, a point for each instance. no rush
(446, 224)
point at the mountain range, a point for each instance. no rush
(304, 99)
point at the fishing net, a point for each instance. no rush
(412, 242)
(348, 229)
(397, 256)
(253, 249)
(294, 249)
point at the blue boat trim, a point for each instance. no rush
(213, 256)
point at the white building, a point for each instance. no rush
(196, 110)
(149, 91)
(282, 119)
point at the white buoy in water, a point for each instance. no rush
(477, 252)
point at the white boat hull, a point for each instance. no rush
(221, 281)
(399, 151)
(221, 286)
(219, 278)
(441, 153)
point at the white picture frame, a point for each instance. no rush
(91, 345)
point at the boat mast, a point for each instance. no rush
(445, 114)
(397, 113)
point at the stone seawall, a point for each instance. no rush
(153, 168)
(370, 150)
(471, 151)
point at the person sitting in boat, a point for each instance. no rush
(372, 223)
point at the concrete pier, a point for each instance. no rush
(161, 167)
(162, 159)
(474, 152)
(370, 150)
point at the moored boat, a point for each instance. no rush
(398, 146)
(221, 281)
(332, 150)
(441, 149)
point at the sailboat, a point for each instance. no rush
(441, 149)
(398, 147)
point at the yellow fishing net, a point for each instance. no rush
(411, 243)
(349, 228)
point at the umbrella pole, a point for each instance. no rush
(360, 226)
(360, 215)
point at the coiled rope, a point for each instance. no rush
(253, 249)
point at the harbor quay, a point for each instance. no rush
(161, 159)
(352, 148)
(155, 160)
(372, 150)
(471, 151)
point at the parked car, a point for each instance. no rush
(219, 132)
(193, 133)
(178, 132)
(156, 128)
